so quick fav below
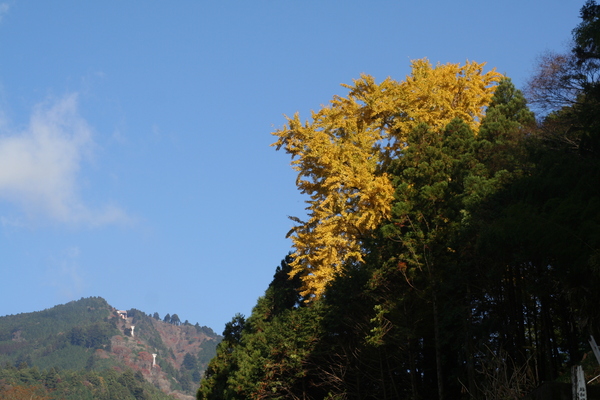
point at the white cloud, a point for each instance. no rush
(40, 166)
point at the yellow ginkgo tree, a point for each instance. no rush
(342, 153)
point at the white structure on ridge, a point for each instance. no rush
(132, 328)
(154, 359)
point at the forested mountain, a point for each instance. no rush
(452, 244)
(88, 349)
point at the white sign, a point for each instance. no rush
(578, 379)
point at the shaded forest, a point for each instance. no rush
(452, 245)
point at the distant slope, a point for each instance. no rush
(89, 334)
(25, 383)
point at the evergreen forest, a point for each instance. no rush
(451, 248)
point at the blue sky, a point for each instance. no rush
(134, 136)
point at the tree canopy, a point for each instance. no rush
(342, 155)
(452, 244)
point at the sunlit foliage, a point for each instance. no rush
(341, 157)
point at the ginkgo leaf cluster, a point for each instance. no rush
(341, 156)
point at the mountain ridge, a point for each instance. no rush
(90, 334)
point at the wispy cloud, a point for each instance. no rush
(65, 275)
(4, 7)
(40, 166)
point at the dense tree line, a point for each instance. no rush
(174, 319)
(23, 382)
(479, 278)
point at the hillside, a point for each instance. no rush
(89, 334)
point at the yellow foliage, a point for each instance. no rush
(435, 96)
(341, 156)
